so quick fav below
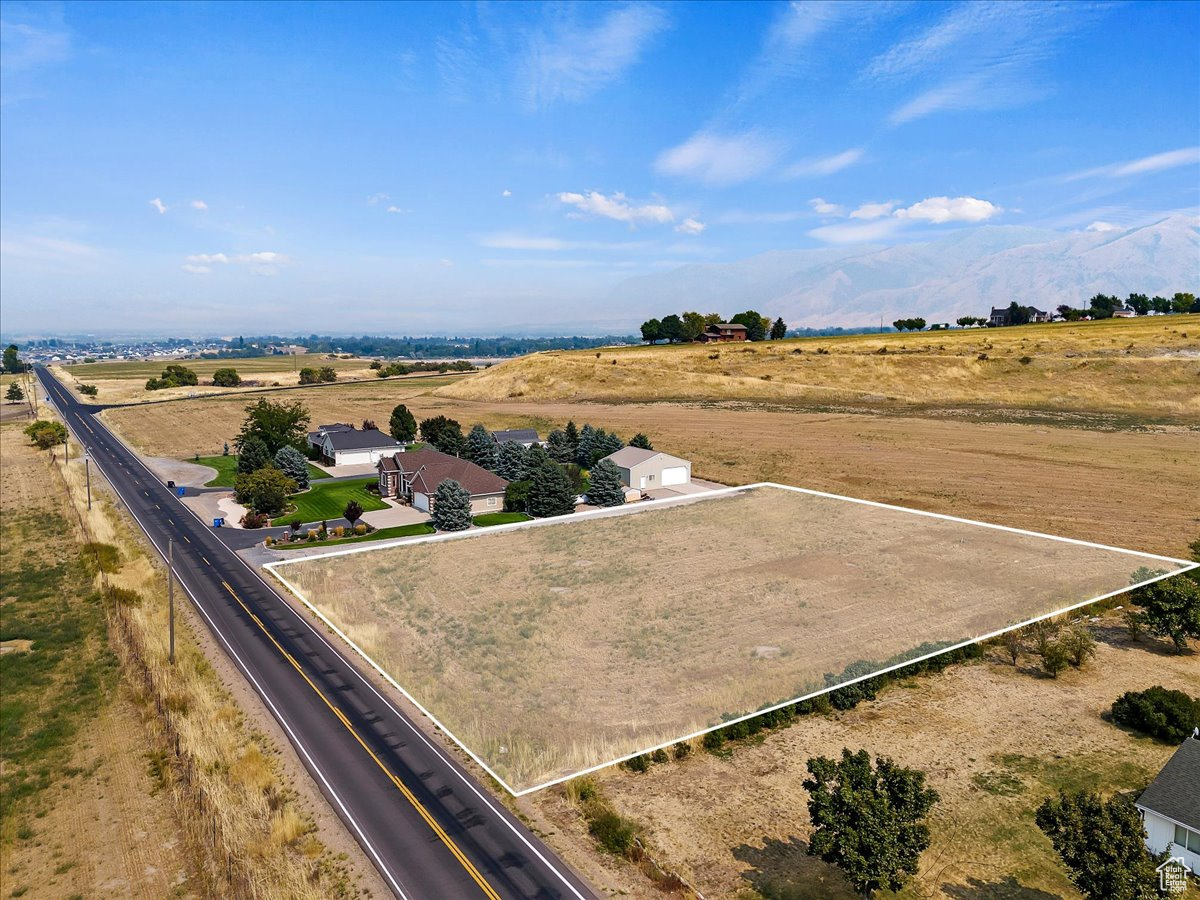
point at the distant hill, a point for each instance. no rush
(964, 274)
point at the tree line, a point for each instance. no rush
(686, 327)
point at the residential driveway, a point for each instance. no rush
(684, 490)
(348, 471)
(182, 473)
(395, 515)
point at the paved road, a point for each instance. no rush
(429, 828)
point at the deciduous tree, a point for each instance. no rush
(265, 491)
(1171, 609)
(443, 434)
(451, 507)
(755, 330)
(226, 378)
(869, 820)
(671, 328)
(353, 511)
(46, 434)
(12, 362)
(652, 331)
(1102, 844)
(275, 424)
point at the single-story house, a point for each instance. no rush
(1170, 806)
(345, 445)
(414, 478)
(1039, 315)
(723, 332)
(526, 437)
(646, 470)
(1124, 313)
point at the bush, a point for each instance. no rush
(122, 596)
(253, 519)
(1055, 658)
(46, 434)
(1168, 716)
(1079, 645)
(614, 834)
(89, 389)
(682, 749)
(173, 376)
(640, 763)
(360, 529)
(226, 378)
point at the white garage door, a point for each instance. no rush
(674, 475)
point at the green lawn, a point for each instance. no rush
(500, 518)
(382, 534)
(326, 500)
(226, 467)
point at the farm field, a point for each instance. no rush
(1145, 369)
(995, 740)
(74, 741)
(566, 645)
(125, 382)
(1068, 475)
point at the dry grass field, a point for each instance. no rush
(1147, 369)
(561, 646)
(125, 382)
(994, 740)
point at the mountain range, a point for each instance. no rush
(965, 273)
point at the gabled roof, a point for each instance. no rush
(1175, 793)
(428, 468)
(727, 326)
(628, 457)
(336, 426)
(520, 435)
(370, 439)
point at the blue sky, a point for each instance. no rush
(479, 168)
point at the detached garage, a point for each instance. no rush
(647, 470)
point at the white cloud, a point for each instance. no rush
(720, 159)
(617, 207)
(1103, 227)
(264, 262)
(397, 209)
(870, 211)
(376, 199)
(206, 258)
(570, 62)
(200, 205)
(1158, 162)
(196, 270)
(939, 210)
(159, 205)
(824, 207)
(856, 233)
(506, 193)
(825, 165)
(690, 226)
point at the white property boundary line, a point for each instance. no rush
(501, 814)
(1184, 566)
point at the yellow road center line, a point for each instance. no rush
(403, 788)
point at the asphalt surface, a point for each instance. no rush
(424, 822)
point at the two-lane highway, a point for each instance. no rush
(420, 817)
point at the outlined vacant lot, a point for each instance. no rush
(546, 649)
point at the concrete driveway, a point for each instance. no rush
(395, 515)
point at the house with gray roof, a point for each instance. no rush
(526, 437)
(345, 445)
(1170, 806)
(648, 470)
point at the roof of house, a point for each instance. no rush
(336, 426)
(429, 468)
(520, 435)
(628, 457)
(728, 326)
(1175, 793)
(353, 439)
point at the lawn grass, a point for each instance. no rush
(226, 467)
(500, 518)
(380, 534)
(326, 501)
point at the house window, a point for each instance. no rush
(492, 501)
(1185, 838)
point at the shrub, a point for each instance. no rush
(339, 531)
(640, 763)
(1135, 624)
(682, 749)
(122, 596)
(360, 529)
(1025, 360)
(46, 434)
(1079, 645)
(1055, 658)
(89, 389)
(268, 540)
(254, 519)
(614, 834)
(659, 756)
(1168, 716)
(98, 557)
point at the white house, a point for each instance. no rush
(1170, 806)
(647, 470)
(345, 445)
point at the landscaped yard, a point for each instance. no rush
(500, 518)
(226, 467)
(379, 534)
(326, 500)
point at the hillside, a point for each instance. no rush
(963, 274)
(1147, 369)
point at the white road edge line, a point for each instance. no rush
(501, 814)
(262, 693)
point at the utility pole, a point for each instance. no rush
(171, 599)
(87, 471)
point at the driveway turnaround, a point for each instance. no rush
(424, 822)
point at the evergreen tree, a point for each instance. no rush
(535, 456)
(12, 362)
(14, 393)
(572, 434)
(550, 492)
(481, 448)
(451, 507)
(778, 330)
(1102, 843)
(292, 463)
(558, 445)
(583, 447)
(252, 455)
(604, 444)
(403, 425)
(510, 462)
(641, 441)
(516, 495)
(606, 488)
